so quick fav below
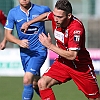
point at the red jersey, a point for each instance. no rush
(73, 38)
(2, 18)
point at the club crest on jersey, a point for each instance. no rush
(77, 35)
(33, 16)
(66, 33)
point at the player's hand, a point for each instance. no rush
(2, 45)
(46, 41)
(24, 27)
(24, 43)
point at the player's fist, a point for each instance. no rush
(24, 27)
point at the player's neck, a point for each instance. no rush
(25, 8)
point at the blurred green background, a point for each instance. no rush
(86, 10)
(11, 89)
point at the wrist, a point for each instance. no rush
(50, 46)
(4, 40)
(18, 42)
(28, 23)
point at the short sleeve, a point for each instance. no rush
(10, 20)
(50, 16)
(76, 38)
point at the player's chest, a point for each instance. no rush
(61, 36)
(23, 17)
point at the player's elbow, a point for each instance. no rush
(72, 55)
(7, 38)
(45, 16)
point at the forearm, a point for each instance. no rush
(3, 44)
(42, 17)
(70, 55)
(4, 39)
(9, 37)
(46, 41)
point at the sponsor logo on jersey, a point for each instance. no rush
(32, 70)
(26, 98)
(59, 35)
(77, 35)
(32, 30)
(77, 32)
(19, 20)
(33, 16)
(76, 38)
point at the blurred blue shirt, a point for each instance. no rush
(17, 17)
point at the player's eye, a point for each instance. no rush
(58, 16)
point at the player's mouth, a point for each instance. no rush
(58, 24)
(25, 3)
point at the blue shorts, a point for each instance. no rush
(32, 63)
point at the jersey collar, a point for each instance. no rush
(28, 9)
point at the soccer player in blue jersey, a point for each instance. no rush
(32, 52)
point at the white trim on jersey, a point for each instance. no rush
(8, 28)
(74, 48)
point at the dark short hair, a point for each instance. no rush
(64, 5)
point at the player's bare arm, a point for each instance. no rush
(3, 44)
(22, 43)
(46, 41)
(42, 17)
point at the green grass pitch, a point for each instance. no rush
(11, 89)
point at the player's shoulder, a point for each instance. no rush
(42, 7)
(14, 9)
(76, 21)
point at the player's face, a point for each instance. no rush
(60, 17)
(24, 3)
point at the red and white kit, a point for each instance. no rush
(81, 69)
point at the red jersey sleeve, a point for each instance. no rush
(51, 17)
(76, 37)
(2, 18)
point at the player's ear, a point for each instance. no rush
(69, 15)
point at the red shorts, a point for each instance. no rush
(83, 76)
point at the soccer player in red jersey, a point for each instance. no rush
(2, 18)
(2, 21)
(74, 60)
